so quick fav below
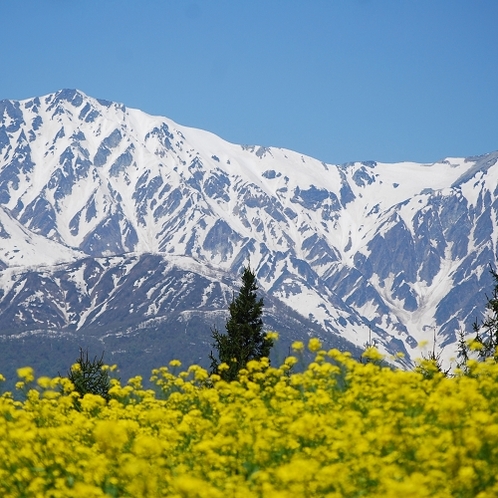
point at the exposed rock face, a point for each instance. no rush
(113, 221)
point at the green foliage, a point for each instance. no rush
(431, 365)
(244, 340)
(90, 376)
(463, 352)
(485, 343)
(487, 330)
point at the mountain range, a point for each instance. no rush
(126, 232)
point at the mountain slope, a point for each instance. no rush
(388, 251)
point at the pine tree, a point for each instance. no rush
(90, 376)
(244, 340)
(487, 330)
(463, 352)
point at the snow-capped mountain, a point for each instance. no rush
(113, 221)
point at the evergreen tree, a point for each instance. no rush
(244, 340)
(486, 333)
(463, 352)
(89, 376)
(487, 330)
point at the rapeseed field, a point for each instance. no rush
(335, 427)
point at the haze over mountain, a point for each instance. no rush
(128, 232)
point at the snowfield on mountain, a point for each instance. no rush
(116, 225)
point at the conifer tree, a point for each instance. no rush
(486, 333)
(487, 330)
(244, 339)
(90, 376)
(463, 352)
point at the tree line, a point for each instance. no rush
(245, 340)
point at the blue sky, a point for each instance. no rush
(339, 80)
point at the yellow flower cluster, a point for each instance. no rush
(333, 428)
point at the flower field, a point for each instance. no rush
(333, 428)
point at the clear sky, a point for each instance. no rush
(339, 80)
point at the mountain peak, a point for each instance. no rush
(357, 249)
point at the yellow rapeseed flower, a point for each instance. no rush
(336, 427)
(297, 346)
(314, 344)
(26, 373)
(272, 336)
(76, 367)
